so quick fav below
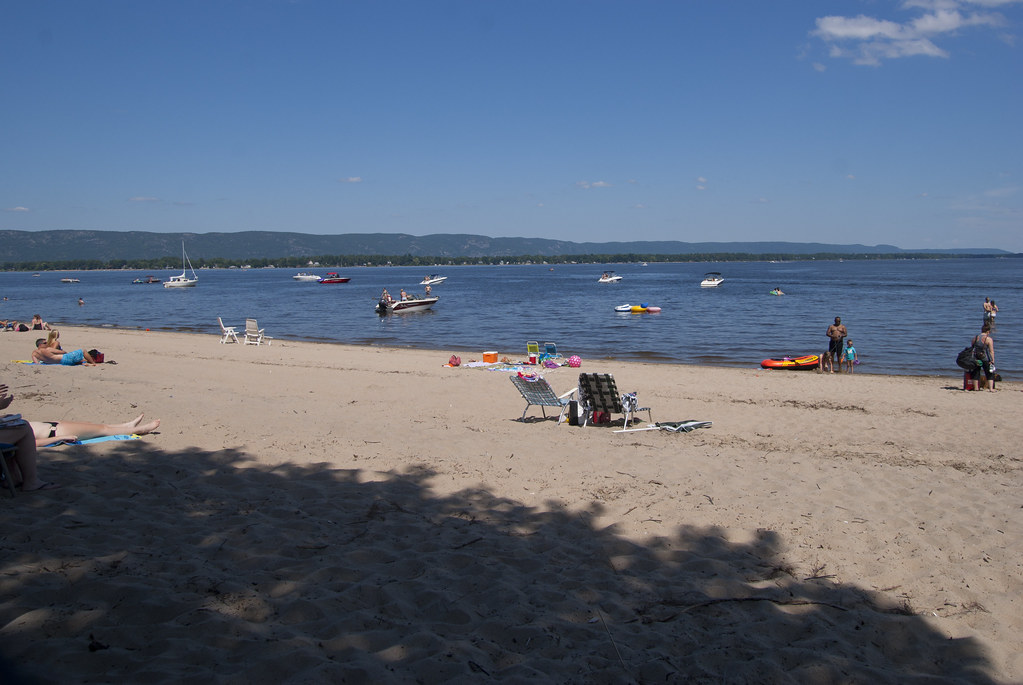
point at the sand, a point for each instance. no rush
(326, 513)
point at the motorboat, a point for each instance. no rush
(334, 277)
(609, 277)
(303, 276)
(433, 279)
(183, 281)
(146, 280)
(711, 279)
(70, 280)
(412, 303)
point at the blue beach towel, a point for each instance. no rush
(89, 441)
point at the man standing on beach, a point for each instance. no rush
(837, 333)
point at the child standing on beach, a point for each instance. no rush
(849, 355)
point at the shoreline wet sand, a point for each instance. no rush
(328, 512)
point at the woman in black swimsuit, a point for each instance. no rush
(49, 432)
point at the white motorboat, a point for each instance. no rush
(433, 279)
(609, 277)
(70, 280)
(711, 279)
(411, 304)
(303, 276)
(183, 281)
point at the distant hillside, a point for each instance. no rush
(31, 246)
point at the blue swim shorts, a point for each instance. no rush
(73, 358)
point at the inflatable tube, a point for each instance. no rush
(636, 309)
(653, 310)
(809, 361)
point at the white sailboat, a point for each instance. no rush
(183, 281)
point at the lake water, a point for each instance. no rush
(905, 317)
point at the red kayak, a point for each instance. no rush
(809, 361)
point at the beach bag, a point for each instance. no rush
(966, 359)
(97, 356)
(455, 360)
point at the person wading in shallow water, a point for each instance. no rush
(837, 333)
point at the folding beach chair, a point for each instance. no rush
(227, 333)
(550, 350)
(539, 392)
(533, 349)
(254, 334)
(598, 393)
(686, 426)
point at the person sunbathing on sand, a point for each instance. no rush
(49, 432)
(44, 354)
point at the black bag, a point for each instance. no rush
(967, 359)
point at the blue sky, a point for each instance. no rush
(842, 122)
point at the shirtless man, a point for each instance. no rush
(837, 333)
(49, 355)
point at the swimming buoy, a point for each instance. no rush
(809, 361)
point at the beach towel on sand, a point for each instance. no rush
(89, 441)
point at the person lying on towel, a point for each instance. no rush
(49, 355)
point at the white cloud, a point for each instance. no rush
(595, 184)
(17, 209)
(867, 40)
(350, 179)
(140, 198)
(1001, 192)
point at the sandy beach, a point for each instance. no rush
(324, 513)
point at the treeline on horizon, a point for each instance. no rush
(347, 261)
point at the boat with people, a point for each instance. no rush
(303, 276)
(70, 280)
(711, 279)
(807, 361)
(183, 281)
(334, 277)
(433, 279)
(410, 303)
(146, 280)
(609, 277)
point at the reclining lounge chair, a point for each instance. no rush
(539, 392)
(598, 392)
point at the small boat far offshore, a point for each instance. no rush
(183, 281)
(712, 279)
(334, 277)
(433, 279)
(303, 276)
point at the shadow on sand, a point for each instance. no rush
(197, 567)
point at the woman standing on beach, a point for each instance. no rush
(984, 351)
